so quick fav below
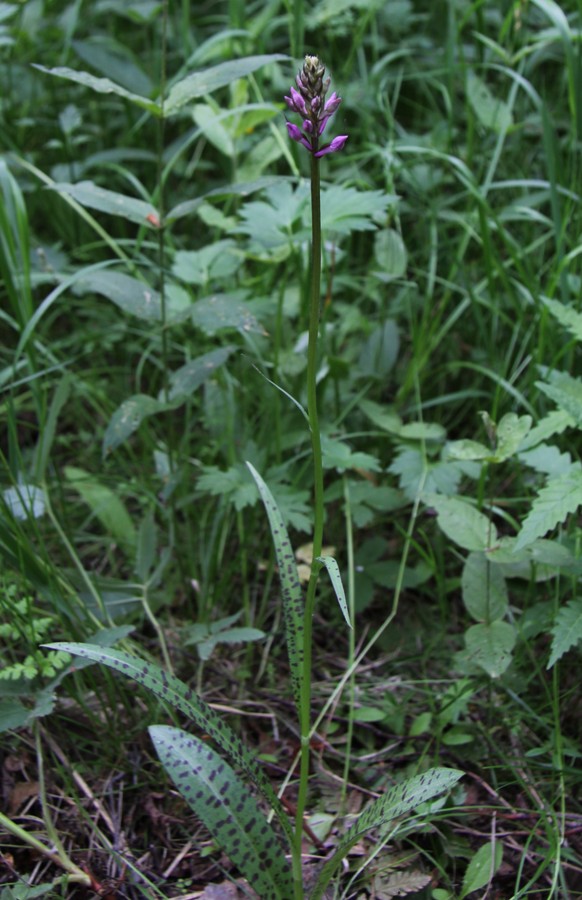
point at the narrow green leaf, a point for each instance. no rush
(226, 807)
(212, 314)
(484, 589)
(128, 418)
(101, 85)
(132, 296)
(482, 867)
(94, 197)
(394, 803)
(492, 113)
(462, 523)
(567, 631)
(291, 592)
(560, 497)
(185, 380)
(336, 579)
(178, 695)
(187, 207)
(490, 646)
(105, 505)
(200, 83)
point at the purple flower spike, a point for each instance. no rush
(308, 100)
(337, 144)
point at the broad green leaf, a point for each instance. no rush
(205, 82)
(490, 646)
(89, 194)
(556, 422)
(183, 698)
(380, 351)
(105, 505)
(210, 121)
(417, 473)
(566, 392)
(291, 593)
(216, 260)
(185, 380)
(422, 431)
(567, 631)
(346, 209)
(390, 253)
(547, 459)
(567, 316)
(394, 803)
(484, 589)
(462, 523)
(559, 498)
(132, 296)
(511, 431)
(336, 579)
(243, 190)
(127, 419)
(492, 113)
(206, 636)
(212, 314)
(382, 416)
(232, 483)
(339, 455)
(116, 62)
(227, 809)
(102, 86)
(482, 867)
(468, 449)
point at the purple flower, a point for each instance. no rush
(308, 101)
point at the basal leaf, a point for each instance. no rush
(227, 809)
(482, 867)
(105, 505)
(91, 195)
(291, 592)
(490, 646)
(205, 82)
(129, 294)
(102, 86)
(336, 579)
(559, 498)
(394, 803)
(183, 698)
(567, 631)
(484, 589)
(462, 523)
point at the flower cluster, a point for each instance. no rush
(308, 100)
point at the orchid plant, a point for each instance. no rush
(217, 794)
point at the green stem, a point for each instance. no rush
(305, 708)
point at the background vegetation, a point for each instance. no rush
(154, 236)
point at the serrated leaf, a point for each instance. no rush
(185, 380)
(232, 483)
(492, 113)
(101, 85)
(422, 431)
(511, 431)
(382, 416)
(556, 422)
(401, 883)
(566, 391)
(336, 579)
(567, 631)
(291, 592)
(183, 698)
(127, 419)
(227, 809)
(482, 867)
(212, 314)
(567, 316)
(397, 801)
(490, 646)
(339, 455)
(187, 207)
(345, 209)
(484, 589)
(462, 523)
(105, 505)
(560, 497)
(205, 82)
(94, 197)
(132, 296)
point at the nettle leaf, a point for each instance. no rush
(567, 316)
(547, 459)
(105, 505)
(490, 646)
(394, 803)
(567, 631)
(101, 86)
(220, 311)
(556, 422)
(566, 392)
(90, 195)
(345, 209)
(462, 523)
(132, 296)
(227, 809)
(291, 591)
(484, 589)
(183, 698)
(205, 82)
(560, 497)
(329, 563)
(492, 113)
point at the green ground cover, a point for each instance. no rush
(157, 337)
